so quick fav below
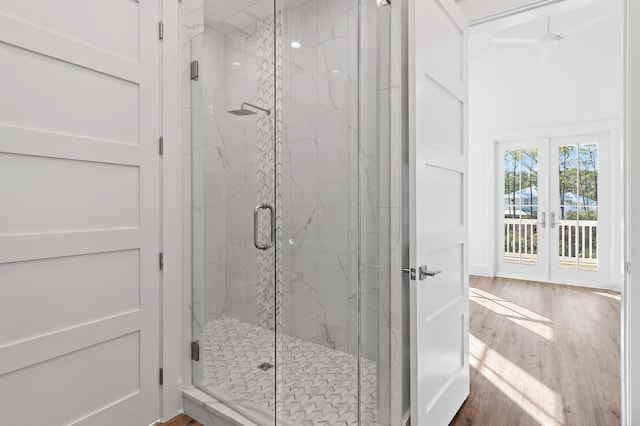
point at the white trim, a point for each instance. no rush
(524, 13)
(480, 270)
(172, 283)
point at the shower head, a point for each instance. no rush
(244, 111)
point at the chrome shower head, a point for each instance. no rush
(244, 111)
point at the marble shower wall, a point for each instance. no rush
(225, 174)
(322, 163)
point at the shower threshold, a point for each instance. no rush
(316, 385)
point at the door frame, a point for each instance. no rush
(614, 128)
(173, 348)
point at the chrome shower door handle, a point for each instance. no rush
(272, 232)
(543, 222)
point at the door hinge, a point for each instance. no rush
(194, 70)
(628, 267)
(161, 145)
(161, 261)
(161, 377)
(195, 350)
(412, 273)
(161, 30)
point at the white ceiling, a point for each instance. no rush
(568, 24)
(228, 15)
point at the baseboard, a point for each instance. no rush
(480, 270)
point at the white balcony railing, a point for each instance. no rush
(577, 242)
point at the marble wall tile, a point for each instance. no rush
(197, 129)
(303, 119)
(384, 148)
(213, 64)
(383, 46)
(215, 290)
(333, 74)
(396, 275)
(369, 39)
(235, 51)
(332, 19)
(214, 115)
(368, 195)
(304, 233)
(186, 131)
(369, 118)
(304, 173)
(333, 336)
(186, 181)
(235, 223)
(214, 233)
(333, 289)
(197, 182)
(303, 29)
(235, 153)
(303, 312)
(332, 218)
(369, 273)
(215, 170)
(198, 254)
(332, 147)
(251, 304)
(395, 156)
(369, 334)
(396, 45)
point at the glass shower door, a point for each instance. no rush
(234, 211)
(291, 286)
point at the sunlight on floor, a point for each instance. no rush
(539, 401)
(538, 324)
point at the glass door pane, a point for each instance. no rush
(521, 206)
(234, 208)
(578, 206)
(580, 231)
(522, 199)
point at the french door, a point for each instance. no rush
(552, 198)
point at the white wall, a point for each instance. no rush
(510, 89)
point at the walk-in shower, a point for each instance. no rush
(290, 226)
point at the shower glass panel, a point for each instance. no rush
(234, 202)
(290, 149)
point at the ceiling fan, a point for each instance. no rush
(550, 39)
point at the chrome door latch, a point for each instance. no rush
(424, 272)
(412, 273)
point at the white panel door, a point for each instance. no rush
(79, 212)
(438, 211)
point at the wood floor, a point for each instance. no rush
(542, 354)
(180, 420)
